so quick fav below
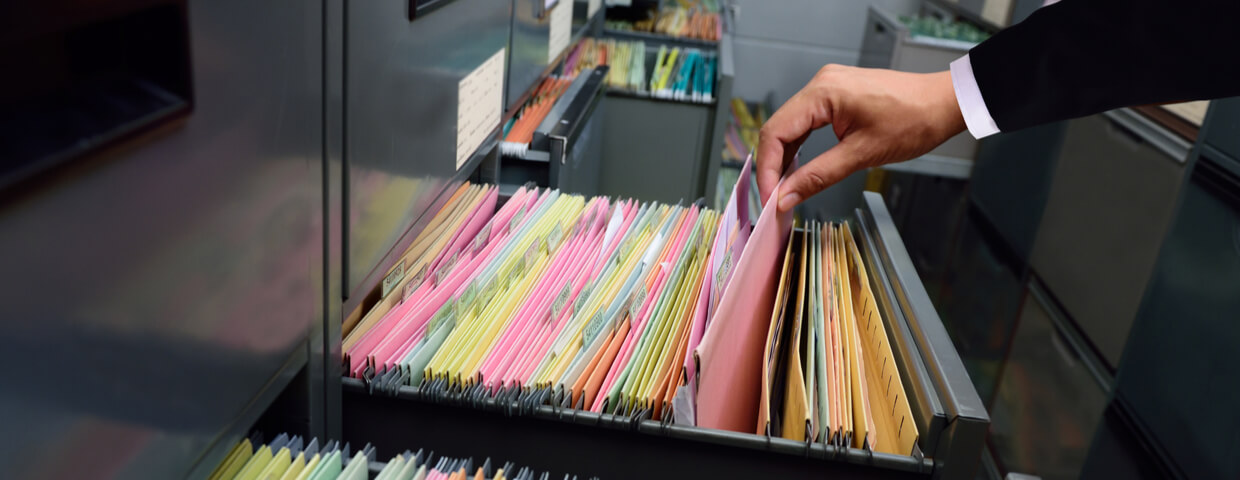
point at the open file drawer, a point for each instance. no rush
(532, 428)
(570, 134)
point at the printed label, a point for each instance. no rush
(592, 329)
(561, 301)
(393, 279)
(582, 296)
(419, 277)
(440, 316)
(561, 29)
(639, 299)
(480, 105)
(480, 241)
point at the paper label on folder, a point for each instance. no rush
(561, 31)
(393, 279)
(479, 106)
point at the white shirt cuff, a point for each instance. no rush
(969, 97)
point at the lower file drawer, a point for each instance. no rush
(538, 428)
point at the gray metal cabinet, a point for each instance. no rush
(1051, 397)
(161, 293)
(665, 150)
(1178, 376)
(401, 97)
(888, 44)
(652, 149)
(1109, 206)
(950, 417)
(1224, 130)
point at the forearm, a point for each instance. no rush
(1081, 57)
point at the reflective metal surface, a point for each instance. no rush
(161, 293)
(401, 87)
(952, 418)
(1223, 132)
(1178, 376)
(979, 300)
(1049, 401)
(527, 55)
(1110, 203)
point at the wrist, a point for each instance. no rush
(950, 115)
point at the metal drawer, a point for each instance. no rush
(401, 83)
(1109, 206)
(571, 134)
(160, 291)
(1050, 397)
(1177, 379)
(1223, 131)
(945, 406)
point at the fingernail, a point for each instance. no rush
(790, 200)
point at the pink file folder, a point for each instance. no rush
(729, 359)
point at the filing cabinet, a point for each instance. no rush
(1110, 203)
(978, 299)
(680, 140)
(888, 43)
(402, 81)
(1051, 396)
(1224, 125)
(949, 414)
(1184, 338)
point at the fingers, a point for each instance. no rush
(784, 133)
(822, 172)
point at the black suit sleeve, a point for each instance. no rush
(1080, 57)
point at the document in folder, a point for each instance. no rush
(796, 419)
(770, 358)
(892, 417)
(729, 358)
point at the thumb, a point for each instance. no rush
(821, 172)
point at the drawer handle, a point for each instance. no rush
(422, 8)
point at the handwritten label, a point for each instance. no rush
(444, 269)
(409, 288)
(626, 248)
(592, 329)
(480, 241)
(420, 276)
(479, 106)
(553, 238)
(469, 295)
(561, 29)
(561, 301)
(442, 315)
(516, 270)
(531, 254)
(393, 278)
(721, 276)
(639, 299)
(488, 288)
(516, 220)
(582, 295)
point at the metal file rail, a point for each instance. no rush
(947, 409)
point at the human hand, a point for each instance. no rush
(880, 116)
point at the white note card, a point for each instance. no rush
(479, 106)
(561, 29)
(592, 7)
